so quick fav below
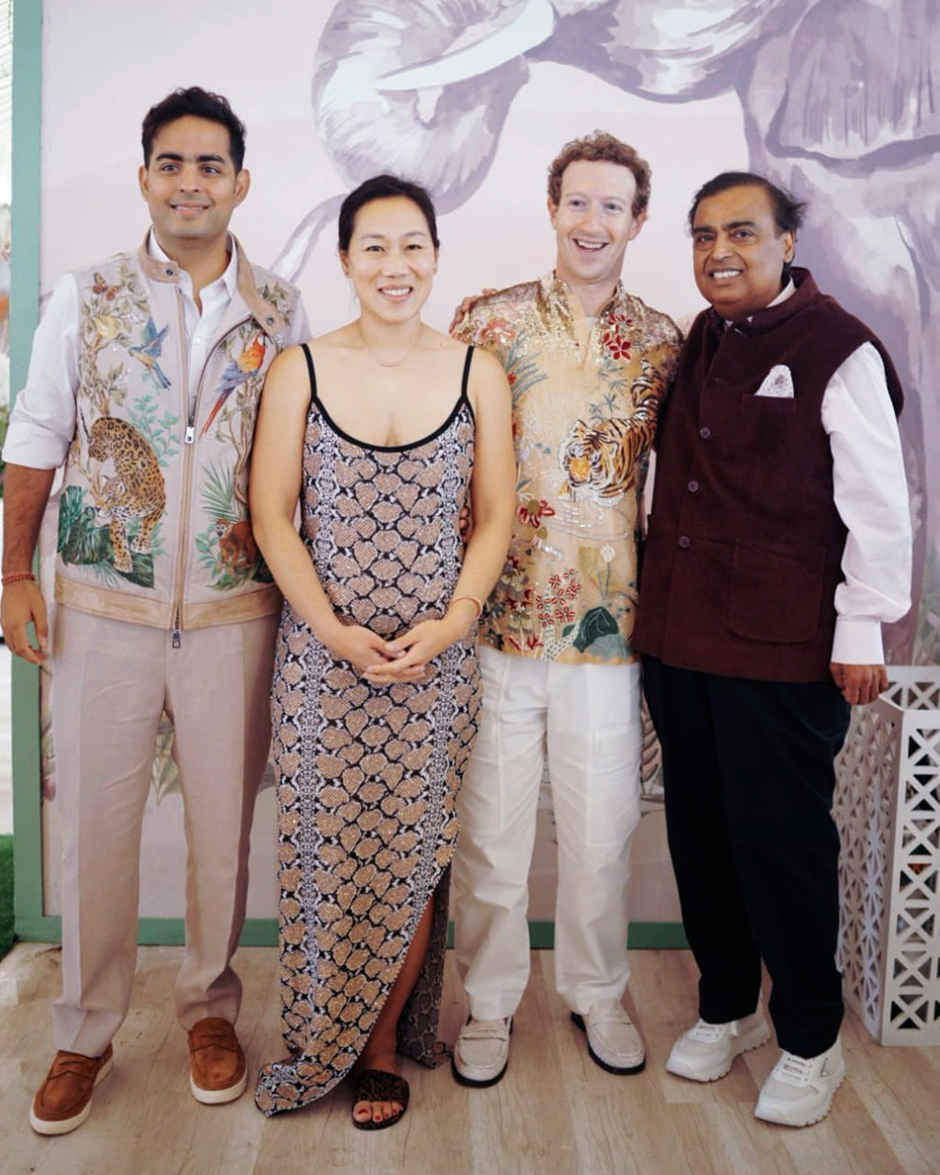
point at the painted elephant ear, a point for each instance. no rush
(862, 82)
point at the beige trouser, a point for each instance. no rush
(111, 683)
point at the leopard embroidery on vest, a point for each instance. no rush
(135, 492)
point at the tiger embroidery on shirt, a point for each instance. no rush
(600, 459)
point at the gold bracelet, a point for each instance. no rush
(473, 600)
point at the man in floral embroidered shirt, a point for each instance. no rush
(589, 365)
(143, 384)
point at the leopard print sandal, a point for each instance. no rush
(375, 1085)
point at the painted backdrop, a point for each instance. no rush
(832, 98)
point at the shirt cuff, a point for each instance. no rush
(857, 641)
(33, 449)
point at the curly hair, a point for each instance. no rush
(601, 147)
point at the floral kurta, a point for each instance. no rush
(585, 402)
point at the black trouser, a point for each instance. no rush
(749, 778)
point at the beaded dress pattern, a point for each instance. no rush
(367, 776)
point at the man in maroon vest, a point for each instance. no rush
(778, 543)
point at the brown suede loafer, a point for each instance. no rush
(63, 1101)
(217, 1070)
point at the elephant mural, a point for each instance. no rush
(845, 112)
(839, 103)
(423, 87)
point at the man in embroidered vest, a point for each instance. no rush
(778, 543)
(588, 364)
(144, 382)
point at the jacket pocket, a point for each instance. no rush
(756, 407)
(776, 591)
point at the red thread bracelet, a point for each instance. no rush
(16, 576)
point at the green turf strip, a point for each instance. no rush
(6, 894)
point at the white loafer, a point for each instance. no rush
(613, 1040)
(481, 1054)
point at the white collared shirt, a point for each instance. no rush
(870, 494)
(201, 327)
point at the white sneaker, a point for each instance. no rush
(706, 1051)
(481, 1053)
(613, 1040)
(799, 1090)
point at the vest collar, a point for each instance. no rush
(771, 316)
(266, 316)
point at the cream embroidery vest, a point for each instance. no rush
(153, 514)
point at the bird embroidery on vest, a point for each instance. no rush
(236, 373)
(148, 352)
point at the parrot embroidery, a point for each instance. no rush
(235, 374)
(148, 351)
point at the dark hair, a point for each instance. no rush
(600, 147)
(199, 103)
(788, 212)
(384, 187)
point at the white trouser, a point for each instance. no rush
(591, 717)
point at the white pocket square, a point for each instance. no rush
(777, 382)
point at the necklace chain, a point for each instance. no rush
(390, 362)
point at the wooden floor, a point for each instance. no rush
(555, 1113)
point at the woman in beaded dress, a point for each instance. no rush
(383, 430)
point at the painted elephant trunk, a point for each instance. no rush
(445, 137)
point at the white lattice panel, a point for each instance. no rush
(887, 807)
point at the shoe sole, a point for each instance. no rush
(473, 1082)
(705, 1079)
(66, 1125)
(620, 1070)
(218, 1097)
(476, 1082)
(782, 1120)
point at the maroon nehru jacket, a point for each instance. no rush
(744, 550)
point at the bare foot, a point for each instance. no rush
(365, 1111)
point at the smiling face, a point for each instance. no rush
(191, 185)
(739, 251)
(594, 222)
(391, 258)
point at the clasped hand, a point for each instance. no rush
(384, 662)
